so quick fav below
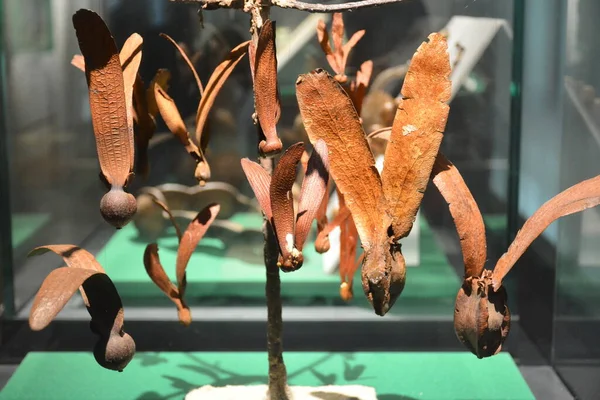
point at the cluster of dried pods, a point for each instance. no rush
(276, 201)
(114, 348)
(383, 206)
(187, 244)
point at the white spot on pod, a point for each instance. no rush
(407, 129)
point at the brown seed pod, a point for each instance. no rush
(114, 348)
(276, 201)
(266, 98)
(110, 106)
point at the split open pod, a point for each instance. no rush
(384, 206)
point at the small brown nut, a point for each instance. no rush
(118, 207)
(481, 316)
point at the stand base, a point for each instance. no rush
(259, 392)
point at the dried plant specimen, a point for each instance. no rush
(266, 92)
(337, 55)
(114, 348)
(170, 114)
(111, 118)
(187, 61)
(348, 262)
(187, 244)
(274, 196)
(383, 208)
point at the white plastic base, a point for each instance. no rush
(259, 392)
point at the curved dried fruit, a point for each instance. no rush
(282, 206)
(266, 93)
(416, 133)
(260, 182)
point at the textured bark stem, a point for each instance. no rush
(297, 5)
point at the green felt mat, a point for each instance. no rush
(25, 225)
(215, 271)
(395, 376)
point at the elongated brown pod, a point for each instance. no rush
(266, 92)
(108, 105)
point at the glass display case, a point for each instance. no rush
(522, 79)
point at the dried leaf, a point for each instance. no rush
(187, 61)
(260, 182)
(465, 213)
(322, 244)
(348, 244)
(190, 239)
(337, 56)
(266, 91)
(74, 256)
(337, 35)
(214, 85)
(252, 59)
(130, 58)
(107, 97)
(313, 189)
(417, 132)
(161, 79)
(577, 198)
(58, 287)
(323, 37)
(328, 114)
(358, 87)
(170, 114)
(282, 205)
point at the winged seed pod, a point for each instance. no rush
(114, 348)
(384, 208)
(266, 90)
(170, 114)
(276, 201)
(187, 244)
(110, 92)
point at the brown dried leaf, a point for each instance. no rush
(170, 114)
(577, 198)
(187, 61)
(348, 244)
(108, 102)
(337, 35)
(328, 114)
(322, 244)
(161, 79)
(74, 256)
(323, 37)
(131, 57)
(353, 41)
(358, 87)
(417, 132)
(260, 182)
(313, 189)
(58, 287)
(266, 91)
(190, 239)
(465, 213)
(252, 59)
(282, 204)
(214, 85)
(171, 218)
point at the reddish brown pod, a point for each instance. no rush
(274, 195)
(114, 348)
(384, 206)
(110, 95)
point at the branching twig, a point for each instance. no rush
(297, 5)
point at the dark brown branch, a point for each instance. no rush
(297, 5)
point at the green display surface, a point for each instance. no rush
(395, 376)
(220, 272)
(24, 225)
